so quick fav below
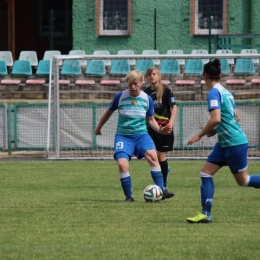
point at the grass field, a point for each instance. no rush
(74, 210)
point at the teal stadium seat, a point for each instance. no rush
(144, 64)
(194, 67)
(119, 68)
(22, 68)
(96, 68)
(170, 67)
(71, 68)
(43, 68)
(3, 68)
(244, 66)
(225, 68)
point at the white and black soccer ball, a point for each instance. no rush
(153, 193)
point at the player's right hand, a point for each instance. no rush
(97, 132)
(166, 130)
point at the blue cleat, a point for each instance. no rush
(129, 199)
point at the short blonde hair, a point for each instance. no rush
(132, 75)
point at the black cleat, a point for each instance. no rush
(167, 194)
(129, 199)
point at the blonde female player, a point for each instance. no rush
(165, 110)
(134, 108)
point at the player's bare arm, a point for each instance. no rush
(173, 115)
(102, 121)
(237, 115)
(215, 118)
(211, 133)
(162, 130)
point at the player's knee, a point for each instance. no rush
(205, 175)
(151, 155)
(244, 182)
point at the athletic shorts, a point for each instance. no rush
(163, 143)
(235, 157)
(132, 145)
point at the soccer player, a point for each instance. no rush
(134, 107)
(165, 110)
(231, 148)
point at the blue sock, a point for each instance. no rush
(207, 194)
(157, 177)
(254, 181)
(126, 184)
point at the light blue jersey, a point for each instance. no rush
(228, 130)
(132, 112)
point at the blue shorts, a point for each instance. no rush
(132, 145)
(235, 157)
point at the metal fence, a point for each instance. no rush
(24, 127)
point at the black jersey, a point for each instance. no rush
(162, 110)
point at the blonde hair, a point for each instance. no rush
(159, 90)
(132, 75)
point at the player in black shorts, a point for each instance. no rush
(165, 110)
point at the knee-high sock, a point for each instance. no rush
(157, 176)
(207, 193)
(253, 181)
(164, 168)
(126, 183)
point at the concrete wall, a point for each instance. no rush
(173, 26)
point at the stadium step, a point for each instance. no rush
(82, 88)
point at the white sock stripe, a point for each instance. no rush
(247, 181)
(123, 175)
(205, 175)
(155, 168)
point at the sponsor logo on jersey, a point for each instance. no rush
(213, 103)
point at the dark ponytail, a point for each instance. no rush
(212, 69)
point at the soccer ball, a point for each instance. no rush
(152, 193)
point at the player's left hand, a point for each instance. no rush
(193, 139)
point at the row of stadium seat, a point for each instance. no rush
(120, 67)
(118, 82)
(83, 89)
(48, 54)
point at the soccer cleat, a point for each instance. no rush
(129, 199)
(200, 218)
(167, 194)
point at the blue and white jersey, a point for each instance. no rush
(132, 112)
(228, 130)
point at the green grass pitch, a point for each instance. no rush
(74, 210)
